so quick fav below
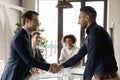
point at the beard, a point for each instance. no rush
(83, 26)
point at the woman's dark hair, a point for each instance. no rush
(72, 37)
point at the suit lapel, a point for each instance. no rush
(28, 37)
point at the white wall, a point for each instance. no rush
(114, 21)
(8, 20)
(9, 16)
(29, 4)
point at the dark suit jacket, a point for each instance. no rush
(20, 60)
(100, 53)
(38, 55)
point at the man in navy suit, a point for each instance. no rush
(20, 60)
(98, 46)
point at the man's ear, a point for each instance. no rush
(27, 20)
(87, 17)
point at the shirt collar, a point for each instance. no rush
(28, 32)
(33, 47)
(89, 27)
(70, 49)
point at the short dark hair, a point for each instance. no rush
(72, 37)
(34, 33)
(28, 15)
(90, 11)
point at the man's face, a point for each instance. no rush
(36, 39)
(33, 24)
(83, 20)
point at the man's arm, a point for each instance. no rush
(22, 48)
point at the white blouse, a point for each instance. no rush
(67, 53)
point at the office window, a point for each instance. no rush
(99, 7)
(49, 21)
(70, 21)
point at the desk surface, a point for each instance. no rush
(65, 74)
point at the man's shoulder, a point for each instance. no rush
(98, 30)
(21, 33)
(20, 36)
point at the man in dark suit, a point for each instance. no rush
(36, 53)
(35, 44)
(101, 63)
(20, 60)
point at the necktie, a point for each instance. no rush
(34, 52)
(30, 44)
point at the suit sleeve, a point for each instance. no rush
(40, 56)
(21, 45)
(76, 58)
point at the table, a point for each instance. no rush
(65, 74)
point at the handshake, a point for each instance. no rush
(54, 68)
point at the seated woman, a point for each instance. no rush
(69, 49)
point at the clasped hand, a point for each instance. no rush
(54, 68)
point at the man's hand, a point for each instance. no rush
(54, 68)
(35, 71)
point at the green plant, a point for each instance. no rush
(43, 40)
(19, 26)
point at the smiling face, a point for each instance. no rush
(36, 39)
(33, 23)
(69, 42)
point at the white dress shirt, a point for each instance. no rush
(67, 53)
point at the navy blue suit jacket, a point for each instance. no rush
(20, 60)
(100, 53)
